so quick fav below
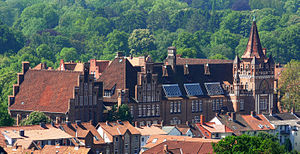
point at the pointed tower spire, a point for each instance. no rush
(254, 48)
(236, 60)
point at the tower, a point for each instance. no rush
(255, 73)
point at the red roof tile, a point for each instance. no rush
(82, 131)
(259, 122)
(188, 147)
(46, 90)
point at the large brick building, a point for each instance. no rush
(176, 91)
(182, 89)
(60, 94)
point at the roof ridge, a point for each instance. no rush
(54, 70)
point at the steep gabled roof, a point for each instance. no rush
(121, 74)
(46, 91)
(254, 48)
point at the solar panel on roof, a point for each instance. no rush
(193, 89)
(214, 88)
(172, 90)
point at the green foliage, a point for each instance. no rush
(68, 54)
(10, 40)
(248, 144)
(122, 113)
(35, 118)
(289, 86)
(141, 41)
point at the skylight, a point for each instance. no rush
(214, 88)
(193, 89)
(172, 90)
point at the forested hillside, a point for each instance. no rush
(49, 30)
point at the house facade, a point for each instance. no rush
(63, 95)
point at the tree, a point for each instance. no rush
(117, 41)
(10, 40)
(247, 144)
(289, 86)
(119, 113)
(5, 119)
(68, 54)
(141, 41)
(43, 51)
(35, 118)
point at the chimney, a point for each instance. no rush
(52, 124)
(22, 132)
(57, 120)
(78, 122)
(165, 148)
(202, 119)
(68, 123)
(18, 119)
(233, 116)
(25, 66)
(119, 54)
(187, 123)
(162, 123)
(253, 113)
(42, 124)
(171, 58)
(264, 51)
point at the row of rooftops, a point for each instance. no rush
(222, 123)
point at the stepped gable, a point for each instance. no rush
(120, 74)
(254, 48)
(46, 91)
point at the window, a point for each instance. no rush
(197, 119)
(126, 146)
(175, 107)
(179, 107)
(197, 106)
(193, 106)
(144, 110)
(157, 110)
(153, 109)
(136, 150)
(116, 151)
(143, 139)
(117, 139)
(148, 110)
(263, 104)
(200, 105)
(171, 107)
(140, 111)
(214, 104)
(218, 104)
(242, 105)
(131, 111)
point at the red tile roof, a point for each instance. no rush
(210, 127)
(157, 139)
(119, 73)
(259, 122)
(65, 149)
(187, 147)
(46, 90)
(82, 131)
(117, 128)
